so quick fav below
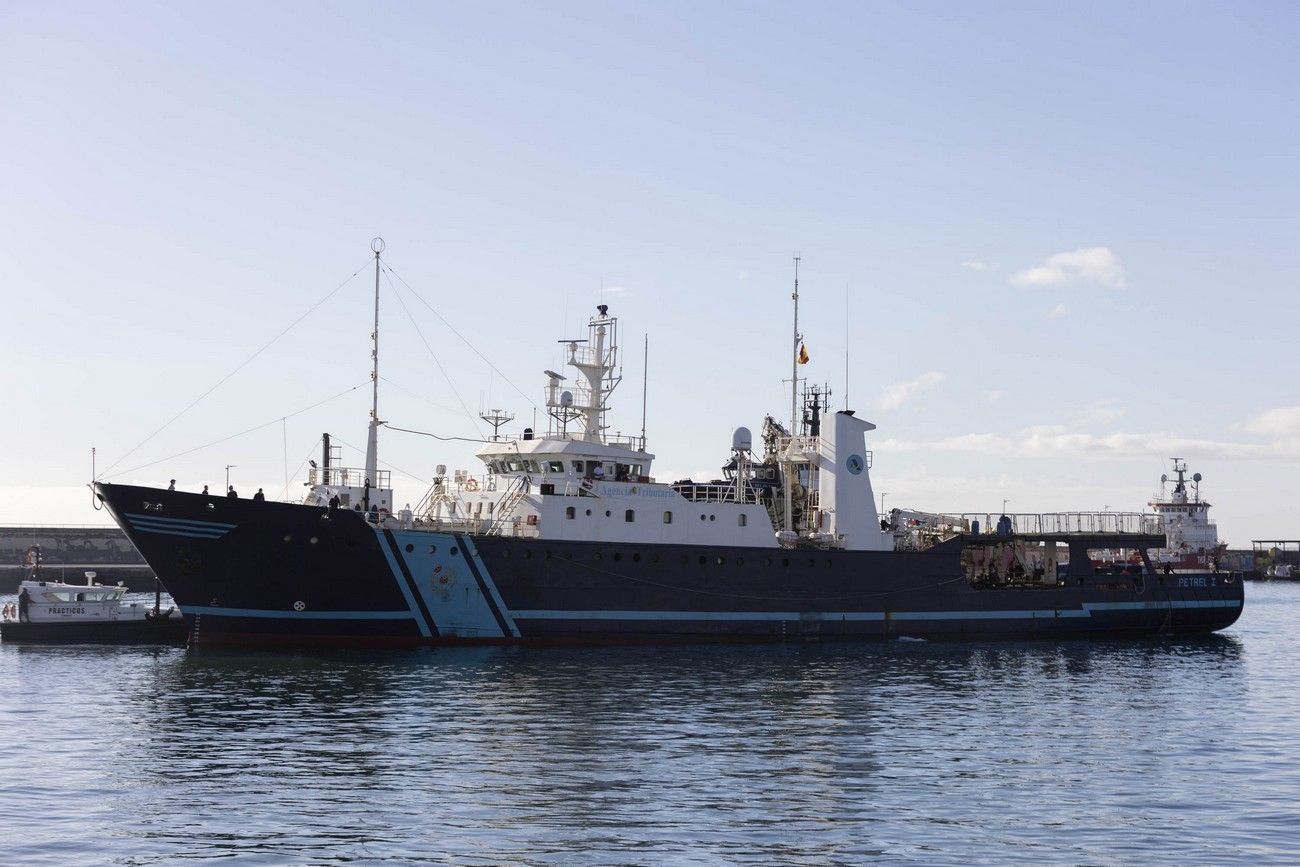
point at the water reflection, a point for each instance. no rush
(796, 753)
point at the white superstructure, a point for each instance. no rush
(1192, 539)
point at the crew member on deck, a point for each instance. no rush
(24, 600)
(205, 490)
(259, 496)
(335, 502)
(231, 493)
(172, 485)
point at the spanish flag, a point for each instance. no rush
(803, 354)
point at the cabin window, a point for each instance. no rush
(514, 466)
(555, 466)
(578, 467)
(742, 519)
(569, 512)
(636, 470)
(532, 466)
(478, 508)
(629, 515)
(490, 505)
(668, 517)
(492, 467)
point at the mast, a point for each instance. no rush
(788, 470)
(794, 356)
(372, 436)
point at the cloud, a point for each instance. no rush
(1058, 311)
(1102, 411)
(977, 265)
(901, 392)
(1095, 265)
(614, 290)
(994, 396)
(742, 275)
(1280, 422)
(1056, 441)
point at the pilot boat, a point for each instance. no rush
(566, 535)
(58, 613)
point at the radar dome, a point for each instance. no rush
(441, 470)
(566, 398)
(1196, 477)
(742, 440)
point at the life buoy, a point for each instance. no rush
(471, 484)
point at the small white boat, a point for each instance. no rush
(52, 612)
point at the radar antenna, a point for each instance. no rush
(497, 418)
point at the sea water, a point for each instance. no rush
(1080, 752)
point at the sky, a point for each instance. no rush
(1052, 245)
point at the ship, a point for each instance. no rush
(1192, 539)
(567, 536)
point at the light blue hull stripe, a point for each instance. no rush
(298, 615)
(858, 616)
(178, 527)
(414, 611)
(471, 550)
(181, 522)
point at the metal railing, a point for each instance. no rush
(1060, 523)
(348, 477)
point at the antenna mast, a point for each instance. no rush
(372, 437)
(645, 381)
(794, 356)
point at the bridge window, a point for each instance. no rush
(555, 466)
(578, 467)
(569, 512)
(742, 519)
(668, 517)
(629, 515)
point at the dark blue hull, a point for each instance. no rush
(269, 573)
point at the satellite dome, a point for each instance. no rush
(566, 398)
(742, 440)
(1196, 477)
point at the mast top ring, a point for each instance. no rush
(377, 244)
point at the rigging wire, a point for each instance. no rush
(416, 395)
(240, 367)
(435, 436)
(302, 464)
(407, 473)
(243, 432)
(462, 337)
(437, 363)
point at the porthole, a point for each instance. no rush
(720, 561)
(505, 555)
(313, 540)
(811, 563)
(701, 517)
(288, 538)
(589, 513)
(713, 517)
(785, 561)
(409, 548)
(608, 513)
(549, 555)
(454, 551)
(740, 561)
(685, 559)
(528, 555)
(599, 556)
(433, 549)
(617, 557)
(703, 559)
(568, 555)
(636, 558)
(829, 562)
